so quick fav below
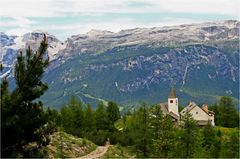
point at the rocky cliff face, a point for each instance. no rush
(12, 45)
(159, 36)
(138, 64)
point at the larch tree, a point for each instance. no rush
(188, 136)
(164, 144)
(228, 115)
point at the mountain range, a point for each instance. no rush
(136, 65)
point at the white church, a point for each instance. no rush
(201, 114)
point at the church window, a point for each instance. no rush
(171, 101)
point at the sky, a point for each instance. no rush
(64, 18)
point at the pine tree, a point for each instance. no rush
(101, 118)
(143, 131)
(67, 119)
(22, 115)
(209, 136)
(164, 144)
(75, 107)
(215, 153)
(156, 117)
(113, 112)
(231, 146)
(189, 133)
(228, 115)
(89, 120)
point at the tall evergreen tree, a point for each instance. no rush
(188, 137)
(156, 117)
(75, 106)
(217, 145)
(73, 117)
(113, 112)
(143, 131)
(89, 120)
(67, 119)
(228, 115)
(21, 114)
(231, 146)
(164, 144)
(209, 136)
(101, 118)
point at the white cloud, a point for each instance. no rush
(51, 8)
(22, 10)
(17, 22)
(114, 26)
(227, 7)
(18, 31)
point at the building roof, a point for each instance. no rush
(192, 105)
(172, 93)
(188, 108)
(164, 108)
(210, 112)
(175, 116)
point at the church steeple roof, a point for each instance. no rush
(172, 93)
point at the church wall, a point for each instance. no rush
(173, 107)
(199, 114)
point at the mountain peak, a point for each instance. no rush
(96, 32)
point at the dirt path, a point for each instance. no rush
(99, 152)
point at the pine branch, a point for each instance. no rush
(42, 49)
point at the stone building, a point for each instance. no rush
(201, 114)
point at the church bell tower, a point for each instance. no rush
(173, 101)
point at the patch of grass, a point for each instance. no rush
(226, 131)
(117, 151)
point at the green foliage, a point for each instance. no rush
(23, 119)
(188, 136)
(215, 153)
(97, 126)
(101, 117)
(208, 136)
(230, 148)
(228, 115)
(164, 143)
(113, 112)
(143, 133)
(225, 113)
(167, 140)
(53, 116)
(89, 119)
(156, 117)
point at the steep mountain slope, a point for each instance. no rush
(138, 64)
(131, 74)
(11, 46)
